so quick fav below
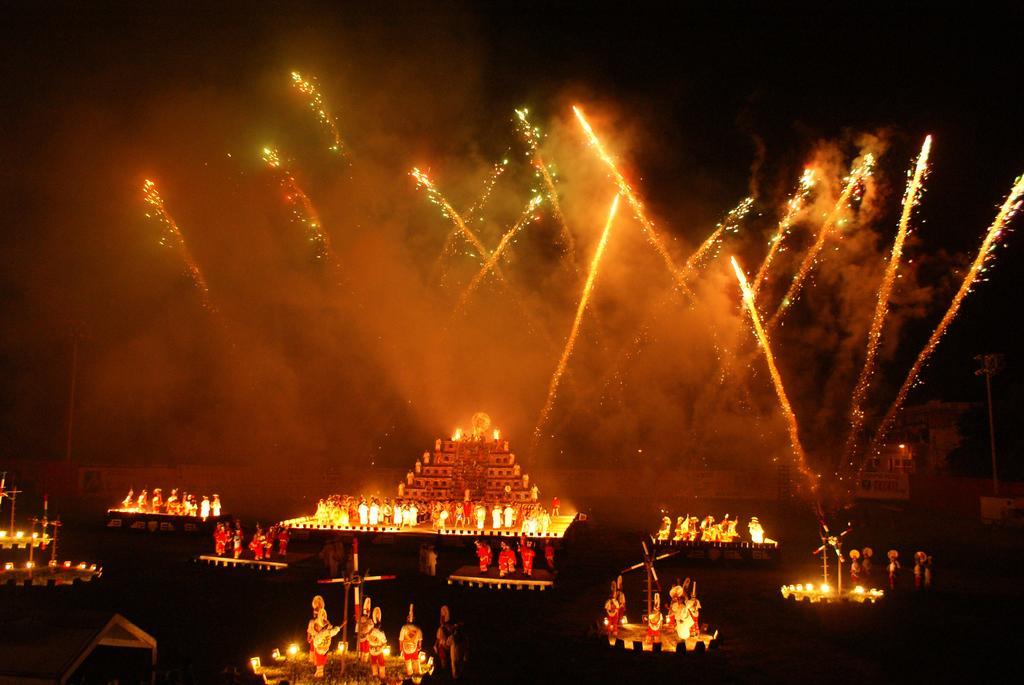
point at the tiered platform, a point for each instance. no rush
(260, 565)
(556, 530)
(472, 576)
(21, 540)
(66, 573)
(632, 637)
(145, 522)
(720, 551)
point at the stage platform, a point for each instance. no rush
(261, 565)
(720, 551)
(631, 636)
(65, 573)
(559, 527)
(471, 576)
(22, 541)
(141, 521)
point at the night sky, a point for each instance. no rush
(705, 107)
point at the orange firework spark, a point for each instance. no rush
(570, 343)
(309, 88)
(978, 267)
(528, 215)
(626, 190)
(911, 197)
(302, 207)
(172, 237)
(793, 209)
(730, 224)
(780, 390)
(532, 136)
(492, 180)
(435, 196)
(858, 174)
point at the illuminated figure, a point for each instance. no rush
(894, 568)
(172, 503)
(689, 623)
(387, 512)
(256, 544)
(496, 516)
(443, 638)
(680, 529)
(506, 560)
(620, 597)
(204, 508)
(129, 500)
(143, 501)
(215, 506)
(654, 621)
(319, 633)
(666, 528)
(442, 518)
(534, 491)
(237, 540)
(920, 561)
(510, 516)
(481, 516)
(527, 553)
(377, 641)
(364, 512)
(855, 567)
(282, 541)
(413, 514)
(611, 613)
(363, 628)
(157, 500)
(756, 531)
(221, 535)
(549, 554)
(865, 564)
(399, 514)
(410, 641)
(554, 507)
(373, 513)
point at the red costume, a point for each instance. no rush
(527, 552)
(282, 542)
(549, 555)
(506, 560)
(484, 554)
(554, 506)
(256, 545)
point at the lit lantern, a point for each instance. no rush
(276, 655)
(457, 435)
(8, 566)
(387, 650)
(255, 664)
(293, 649)
(20, 534)
(497, 434)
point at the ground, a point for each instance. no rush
(210, 621)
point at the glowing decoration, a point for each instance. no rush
(277, 656)
(793, 208)
(529, 215)
(626, 190)
(457, 435)
(910, 199)
(293, 649)
(255, 664)
(825, 594)
(588, 288)
(995, 232)
(309, 88)
(172, 238)
(858, 175)
(780, 391)
(532, 136)
(303, 211)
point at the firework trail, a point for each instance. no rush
(858, 174)
(172, 237)
(529, 215)
(532, 136)
(626, 190)
(492, 180)
(787, 409)
(730, 224)
(978, 267)
(581, 309)
(793, 208)
(303, 211)
(912, 195)
(434, 195)
(309, 88)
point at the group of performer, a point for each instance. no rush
(529, 517)
(262, 543)
(372, 643)
(680, 616)
(861, 568)
(691, 529)
(507, 559)
(175, 505)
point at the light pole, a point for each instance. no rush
(991, 364)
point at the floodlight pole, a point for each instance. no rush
(991, 364)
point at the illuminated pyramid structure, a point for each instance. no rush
(479, 462)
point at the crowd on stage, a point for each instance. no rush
(529, 518)
(187, 504)
(862, 568)
(509, 561)
(691, 529)
(230, 539)
(447, 653)
(681, 616)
